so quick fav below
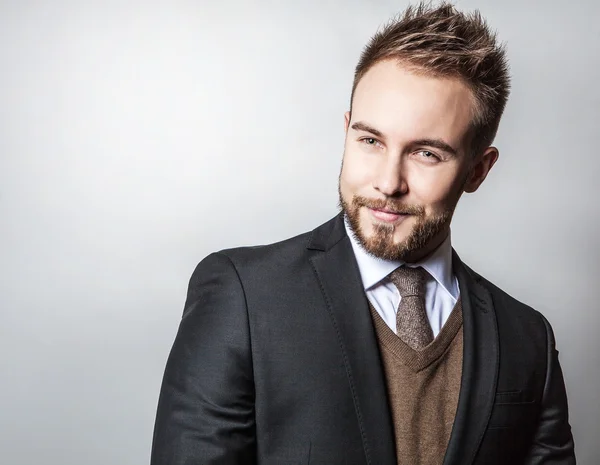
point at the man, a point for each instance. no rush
(367, 340)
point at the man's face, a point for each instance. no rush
(407, 161)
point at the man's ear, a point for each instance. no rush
(346, 121)
(480, 169)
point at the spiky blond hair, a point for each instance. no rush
(443, 42)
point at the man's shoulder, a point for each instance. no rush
(286, 252)
(506, 306)
(284, 255)
(285, 249)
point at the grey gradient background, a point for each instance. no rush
(137, 137)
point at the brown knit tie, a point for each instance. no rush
(412, 325)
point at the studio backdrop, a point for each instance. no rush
(137, 137)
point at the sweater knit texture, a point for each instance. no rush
(423, 387)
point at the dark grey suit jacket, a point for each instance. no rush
(276, 362)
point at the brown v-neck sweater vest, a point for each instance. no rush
(423, 389)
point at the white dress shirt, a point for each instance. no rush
(441, 289)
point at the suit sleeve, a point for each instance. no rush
(206, 406)
(553, 441)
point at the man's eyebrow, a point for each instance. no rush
(360, 126)
(436, 143)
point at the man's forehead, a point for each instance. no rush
(390, 98)
(388, 81)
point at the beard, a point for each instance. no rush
(381, 243)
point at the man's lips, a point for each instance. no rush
(385, 210)
(387, 215)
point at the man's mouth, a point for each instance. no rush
(389, 216)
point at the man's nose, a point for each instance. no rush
(390, 178)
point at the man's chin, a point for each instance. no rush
(386, 250)
(391, 239)
(383, 244)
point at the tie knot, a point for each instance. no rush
(409, 281)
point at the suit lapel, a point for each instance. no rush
(346, 304)
(480, 368)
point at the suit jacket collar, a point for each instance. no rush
(481, 361)
(328, 234)
(346, 304)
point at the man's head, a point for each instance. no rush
(428, 94)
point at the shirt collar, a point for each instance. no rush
(374, 269)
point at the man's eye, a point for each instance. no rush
(370, 141)
(427, 154)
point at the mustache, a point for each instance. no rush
(391, 205)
